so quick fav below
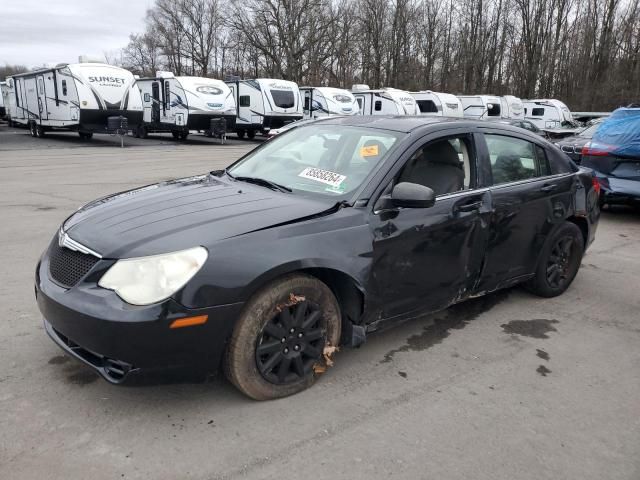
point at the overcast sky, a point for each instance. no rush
(37, 32)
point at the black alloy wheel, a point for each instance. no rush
(291, 343)
(559, 262)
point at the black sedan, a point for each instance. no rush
(574, 144)
(310, 242)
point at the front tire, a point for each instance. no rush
(240, 134)
(559, 262)
(251, 134)
(280, 337)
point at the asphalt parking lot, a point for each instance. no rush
(508, 386)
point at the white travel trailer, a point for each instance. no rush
(180, 104)
(385, 101)
(3, 109)
(82, 97)
(263, 104)
(318, 102)
(438, 104)
(481, 106)
(548, 113)
(511, 107)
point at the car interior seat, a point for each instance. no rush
(438, 168)
(509, 168)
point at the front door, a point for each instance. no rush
(155, 108)
(428, 258)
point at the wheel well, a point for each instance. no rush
(583, 225)
(349, 295)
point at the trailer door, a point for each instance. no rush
(155, 109)
(42, 98)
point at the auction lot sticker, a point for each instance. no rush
(325, 176)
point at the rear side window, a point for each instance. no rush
(514, 159)
(378, 105)
(283, 98)
(537, 112)
(244, 101)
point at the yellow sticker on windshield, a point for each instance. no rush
(370, 151)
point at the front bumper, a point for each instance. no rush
(116, 339)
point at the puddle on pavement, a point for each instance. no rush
(542, 354)
(58, 360)
(542, 370)
(455, 317)
(536, 328)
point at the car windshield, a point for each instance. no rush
(589, 131)
(331, 160)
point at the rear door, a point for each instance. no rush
(528, 201)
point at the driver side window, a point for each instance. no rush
(444, 165)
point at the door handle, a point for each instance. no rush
(469, 207)
(549, 188)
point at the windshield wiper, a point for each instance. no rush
(263, 182)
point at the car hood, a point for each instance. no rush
(574, 141)
(183, 213)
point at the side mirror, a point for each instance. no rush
(412, 195)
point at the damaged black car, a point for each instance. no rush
(310, 242)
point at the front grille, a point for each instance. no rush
(67, 267)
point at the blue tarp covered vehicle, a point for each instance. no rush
(620, 133)
(614, 155)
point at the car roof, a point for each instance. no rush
(410, 123)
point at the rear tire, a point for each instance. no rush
(176, 135)
(280, 336)
(251, 134)
(240, 134)
(143, 132)
(559, 262)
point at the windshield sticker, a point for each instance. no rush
(370, 151)
(324, 176)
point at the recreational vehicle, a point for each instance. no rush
(438, 104)
(3, 109)
(318, 102)
(263, 104)
(81, 97)
(548, 113)
(180, 104)
(511, 107)
(480, 106)
(385, 101)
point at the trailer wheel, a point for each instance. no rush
(32, 129)
(40, 132)
(85, 135)
(240, 133)
(175, 135)
(251, 134)
(184, 135)
(142, 132)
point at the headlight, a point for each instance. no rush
(147, 280)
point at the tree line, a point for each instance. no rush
(585, 52)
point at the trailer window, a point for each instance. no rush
(360, 105)
(244, 101)
(283, 98)
(64, 88)
(537, 112)
(378, 105)
(493, 109)
(40, 86)
(428, 106)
